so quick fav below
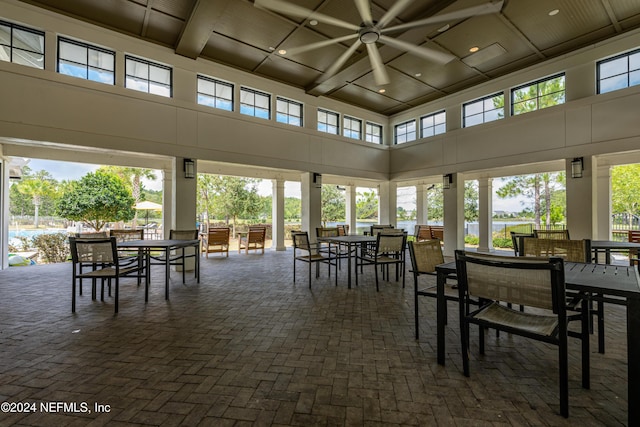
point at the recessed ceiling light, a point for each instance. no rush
(554, 12)
(417, 74)
(443, 28)
(272, 48)
(382, 90)
(313, 22)
(474, 49)
(282, 52)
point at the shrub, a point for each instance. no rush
(470, 239)
(52, 247)
(501, 242)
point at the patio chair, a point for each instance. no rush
(101, 255)
(254, 239)
(516, 240)
(179, 256)
(422, 232)
(389, 249)
(634, 236)
(551, 234)
(532, 282)
(127, 258)
(304, 251)
(437, 232)
(91, 235)
(216, 240)
(343, 229)
(379, 228)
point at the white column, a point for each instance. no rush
(485, 214)
(277, 215)
(454, 215)
(184, 203)
(387, 203)
(168, 178)
(311, 189)
(421, 205)
(602, 201)
(350, 196)
(4, 212)
(581, 201)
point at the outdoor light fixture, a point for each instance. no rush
(189, 168)
(317, 180)
(577, 166)
(447, 179)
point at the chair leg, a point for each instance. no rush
(73, 296)
(563, 376)
(415, 300)
(376, 269)
(586, 362)
(600, 327)
(464, 341)
(117, 294)
(309, 274)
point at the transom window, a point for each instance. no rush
(483, 110)
(78, 59)
(373, 133)
(405, 132)
(433, 124)
(255, 103)
(619, 72)
(21, 45)
(147, 76)
(215, 93)
(288, 111)
(328, 121)
(538, 95)
(352, 127)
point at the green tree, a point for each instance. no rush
(133, 177)
(471, 201)
(367, 205)
(292, 208)
(625, 198)
(435, 203)
(333, 204)
(96, 199)
(39, 187)
(539, 95)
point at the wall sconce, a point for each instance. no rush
(447, 179)
(189, 168)
(577, 166)
(317, 180)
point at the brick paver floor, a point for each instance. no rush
(247, 346)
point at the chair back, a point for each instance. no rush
(423, 232)
(634, 236)
(516, 241)
(300, 241)
(343, 229)
(425, 256)
(127, 235)
(437, 232)
(390, 243)
(218, 236)
(183, 234)
(569, 250)
(376, 229)
(327, 231)
(256, 234)
(92, 235)
(532, 282)
(93, 250)
(551, 234)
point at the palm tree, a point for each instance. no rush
(38, 186)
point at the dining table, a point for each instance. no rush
(351, 242)
(165, 246)
(609, 246)
(608, 283)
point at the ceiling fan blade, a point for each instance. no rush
(377, 66)
(301, 12)
(364, 9)
(335, 67)
(423, 52)
(393, 11)
(482, 9)
(318, 45)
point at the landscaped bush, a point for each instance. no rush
(501, 242)
(52, 247)
(470, 239)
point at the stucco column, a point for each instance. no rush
(421, 205)
(350, 198)
(4, 212)
(602, 208)
(167, 201)
(581, 201)
(184, 203)
(311, 189)
(387, 203)
(277, 215)
(485, 214)
(454, 215)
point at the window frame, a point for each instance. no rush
(627, 73)
(405, 123)
(254, 92)
(435, 125)
(352, 120)
(483, 112)
(13, 48)
(288, 115)
(88, 48)
(214, 96)
(329, 113)
(538, 96)
(150, 64)
(368, 136)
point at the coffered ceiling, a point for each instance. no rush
(236, 33)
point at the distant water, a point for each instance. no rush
(30, 233)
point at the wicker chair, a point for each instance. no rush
(516, 240)
(537, 283)
(551, 234)
(304, 251)
(216, 240)
(254, 239)
(389, 249)
(127, 258)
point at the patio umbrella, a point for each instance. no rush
(148, 206)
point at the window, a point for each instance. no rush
(255, 103)
(483, 110)
(619, 72)
(146, 76)
(538, 95)
(21, 45)
(352, 127)
(87, 62)
(328, 122)
(405, 132)
(373, 133)
(288, 111)
(215, 93)
(433, 124)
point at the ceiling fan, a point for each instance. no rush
(370, 32)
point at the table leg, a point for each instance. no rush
(633, 355)
(167, 272)
(349, 266)
(147, 273)
(198, 263)
(441, 315)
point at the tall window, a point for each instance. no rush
(147, 76)
(405, 132)
(215, 93)
(87, 62)
(21, 45)
(288, 111)
(619, 72)
(433, 124)
(538, 95)
(328, 121)
(483, 110)
(255, 103)
(352, 127)
(373, 133)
